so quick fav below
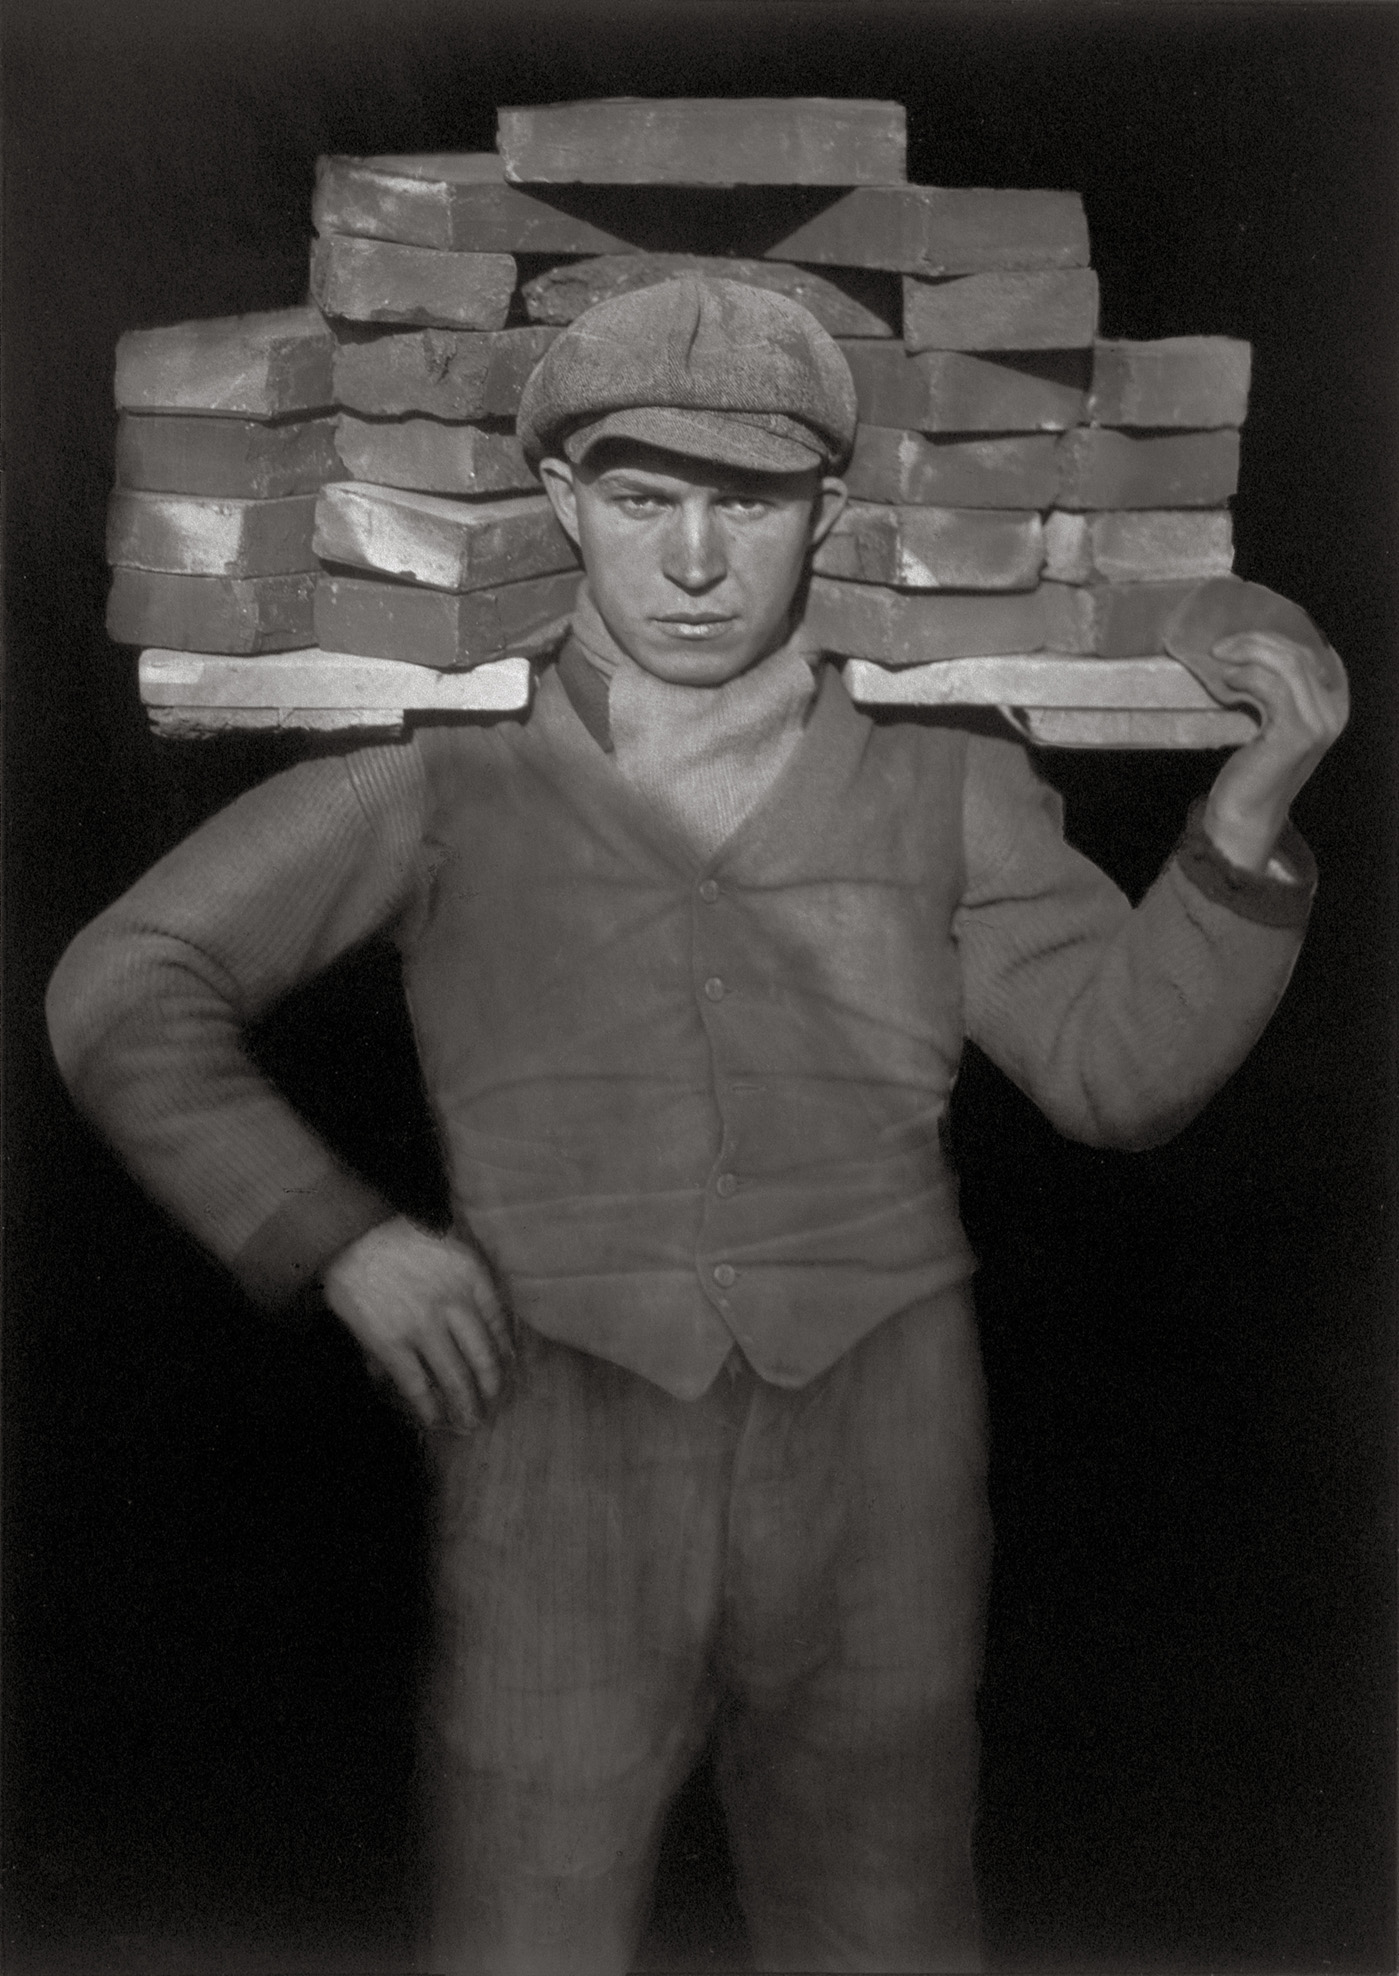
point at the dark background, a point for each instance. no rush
(213, 1527)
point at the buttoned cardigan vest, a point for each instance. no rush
(685, 1103)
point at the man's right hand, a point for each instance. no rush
(427, 1313)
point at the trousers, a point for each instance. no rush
(801, 1572)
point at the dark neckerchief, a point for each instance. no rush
(587, 692)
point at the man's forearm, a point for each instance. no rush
(148, 1007)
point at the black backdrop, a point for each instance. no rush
(213, 1538)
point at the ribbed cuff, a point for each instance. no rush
(1259, 896)
(286, 1255)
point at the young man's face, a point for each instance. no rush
(692, 566)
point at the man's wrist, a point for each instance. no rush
(286, 1257)
(1247, 842)
(363, 1249)
(1278, 895)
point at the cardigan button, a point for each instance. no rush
(726, 1185)
(714, 988)
(709, 890)
(725, 1275)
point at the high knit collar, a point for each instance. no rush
(704, 756)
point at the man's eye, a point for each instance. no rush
(745, 505)
(640, 504)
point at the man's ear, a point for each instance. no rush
(830, 505)
(557, 476)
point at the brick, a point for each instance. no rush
(1113, 620)
(443, 373)
(460, 201)
(381, 281)
(938, 230)
(312, 681)
(853, 304)
(907, 468)
(1103, 469)
(953, 391)
(858, 620)
(1055, 309)
(784, 140)
(1043, 680)
(440, 628)
(209, 723)
(211, 613)
(455, 201)
(447, 545)
(206, 535)
(433, 456)
(1135, 727)
(933, 548)
(259, 366)
(247, 459)
(1145, 545)
(1196, 381)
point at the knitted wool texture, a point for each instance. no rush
(704, 757)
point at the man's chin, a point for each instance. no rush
(694, 668)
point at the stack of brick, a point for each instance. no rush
(1021, 487)
(1029, 502)
(224, 438)
(440, 550)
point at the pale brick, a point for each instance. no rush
(447, 545)
(1034, 681)
(432, 456)
(1195, 381)
(211, 613)
(1056, 309)
(456, 201)
(851, 304)
(381, 281)
(207, 535)
(439, 628)
(718, 140)
(210, 723)
(442, 373)
(859, 620)
(460, 200)
(311, 686)
(258, 366)
(1145, 545)
(906, 468)
(1113, 620)
(1104, 469)
(953, 391)
(912, 548)
(938, 230)
(1136, 727)
(248, 459)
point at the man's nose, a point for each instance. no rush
(694, 555)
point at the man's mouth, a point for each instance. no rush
(696, 625)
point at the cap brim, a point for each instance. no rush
(722, 438)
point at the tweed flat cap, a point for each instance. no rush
(699, 365)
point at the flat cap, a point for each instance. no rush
(700, 365)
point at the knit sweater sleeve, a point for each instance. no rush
(1120, 1023)
(147, 1008)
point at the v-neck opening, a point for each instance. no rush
(831, 717)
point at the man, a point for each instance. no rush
(691, 952)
